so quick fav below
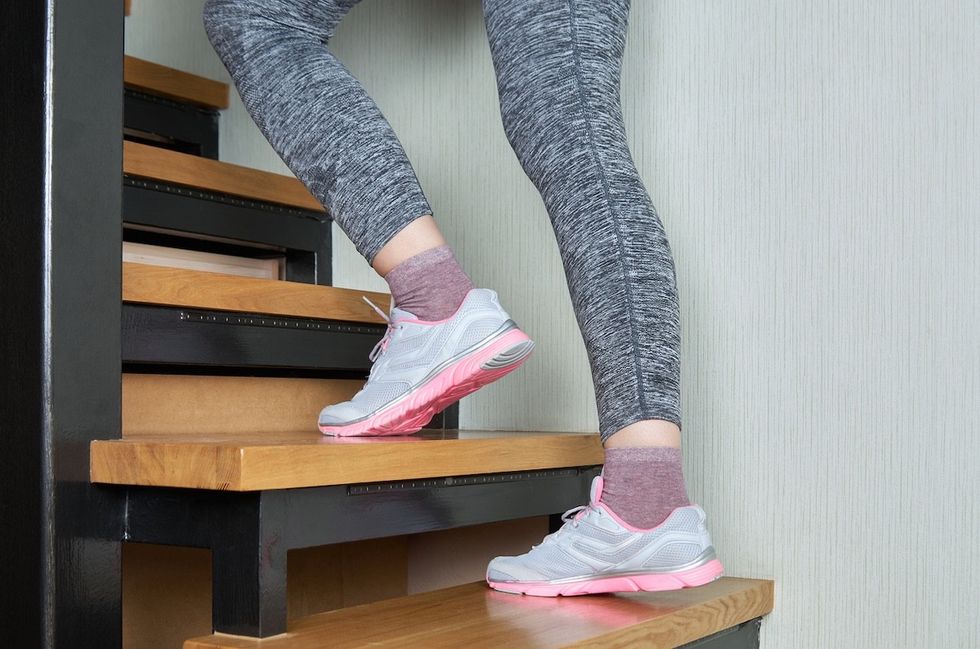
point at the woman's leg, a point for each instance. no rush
(327, 129)
(316, 115)
(558, 68)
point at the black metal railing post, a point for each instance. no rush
(60, 238)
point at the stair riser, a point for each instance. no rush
(197, 338)
(191, 129)
(173, 404)
(177, 208)
(161, 404)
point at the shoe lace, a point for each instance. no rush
(571, 517)
(381, 345)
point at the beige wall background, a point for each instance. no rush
(816, 167)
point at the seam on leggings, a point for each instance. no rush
(607, 195)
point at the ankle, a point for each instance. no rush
(648, 433)
(643, 485)
(430, 285)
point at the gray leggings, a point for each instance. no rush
(558, 67)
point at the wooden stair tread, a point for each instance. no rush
(156, 79)
(164, 165)
(163, 285)
(475, 616)
(308, 459)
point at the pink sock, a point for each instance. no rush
(643, 485)
(430, 285)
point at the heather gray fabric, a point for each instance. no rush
(316, 115)
(558, 67)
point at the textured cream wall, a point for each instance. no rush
(816, 167)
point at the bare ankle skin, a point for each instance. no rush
(646, 433)
(418, 236)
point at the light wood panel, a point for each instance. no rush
(166, 595)
(152, 255)
(157, 79)
(329, 577)
(308, 459)
(215, 405)
(167, 589)
(475, 616)
(145, 161)
(146, 284)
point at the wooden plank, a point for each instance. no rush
(213, 405)
(167, 589)
(156, 79)
(166, 594)
(155, 163)
(308, 459)
(474, 616)
(144, 253)
(147, 284)
(127, 6)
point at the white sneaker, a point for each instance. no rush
(422, 367)
(597, 552)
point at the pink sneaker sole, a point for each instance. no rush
(619, 584)
(465, 376)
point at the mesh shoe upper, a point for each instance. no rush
(592, 542)
(413, 350)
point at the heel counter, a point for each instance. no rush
(704, 536)
(495, 301)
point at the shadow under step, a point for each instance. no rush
(475, 616)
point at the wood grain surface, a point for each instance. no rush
(157, 79)
(474, 616)
(145, 161)
(308, 459)
(148, 284)
(167, 590)
(215, 405)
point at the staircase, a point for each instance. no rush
(222, 379)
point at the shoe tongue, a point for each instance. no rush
(596, 492)
(400, 314)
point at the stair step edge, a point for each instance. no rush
(156, 79)
(164, 165)
(472, 614)
(307, 459)
(179, 287)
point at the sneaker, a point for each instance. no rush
(597, 552)
(422, 367)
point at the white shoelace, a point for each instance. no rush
(382, 344)
(571, 517)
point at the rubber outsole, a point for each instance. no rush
(465, 376)
(651, 582)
